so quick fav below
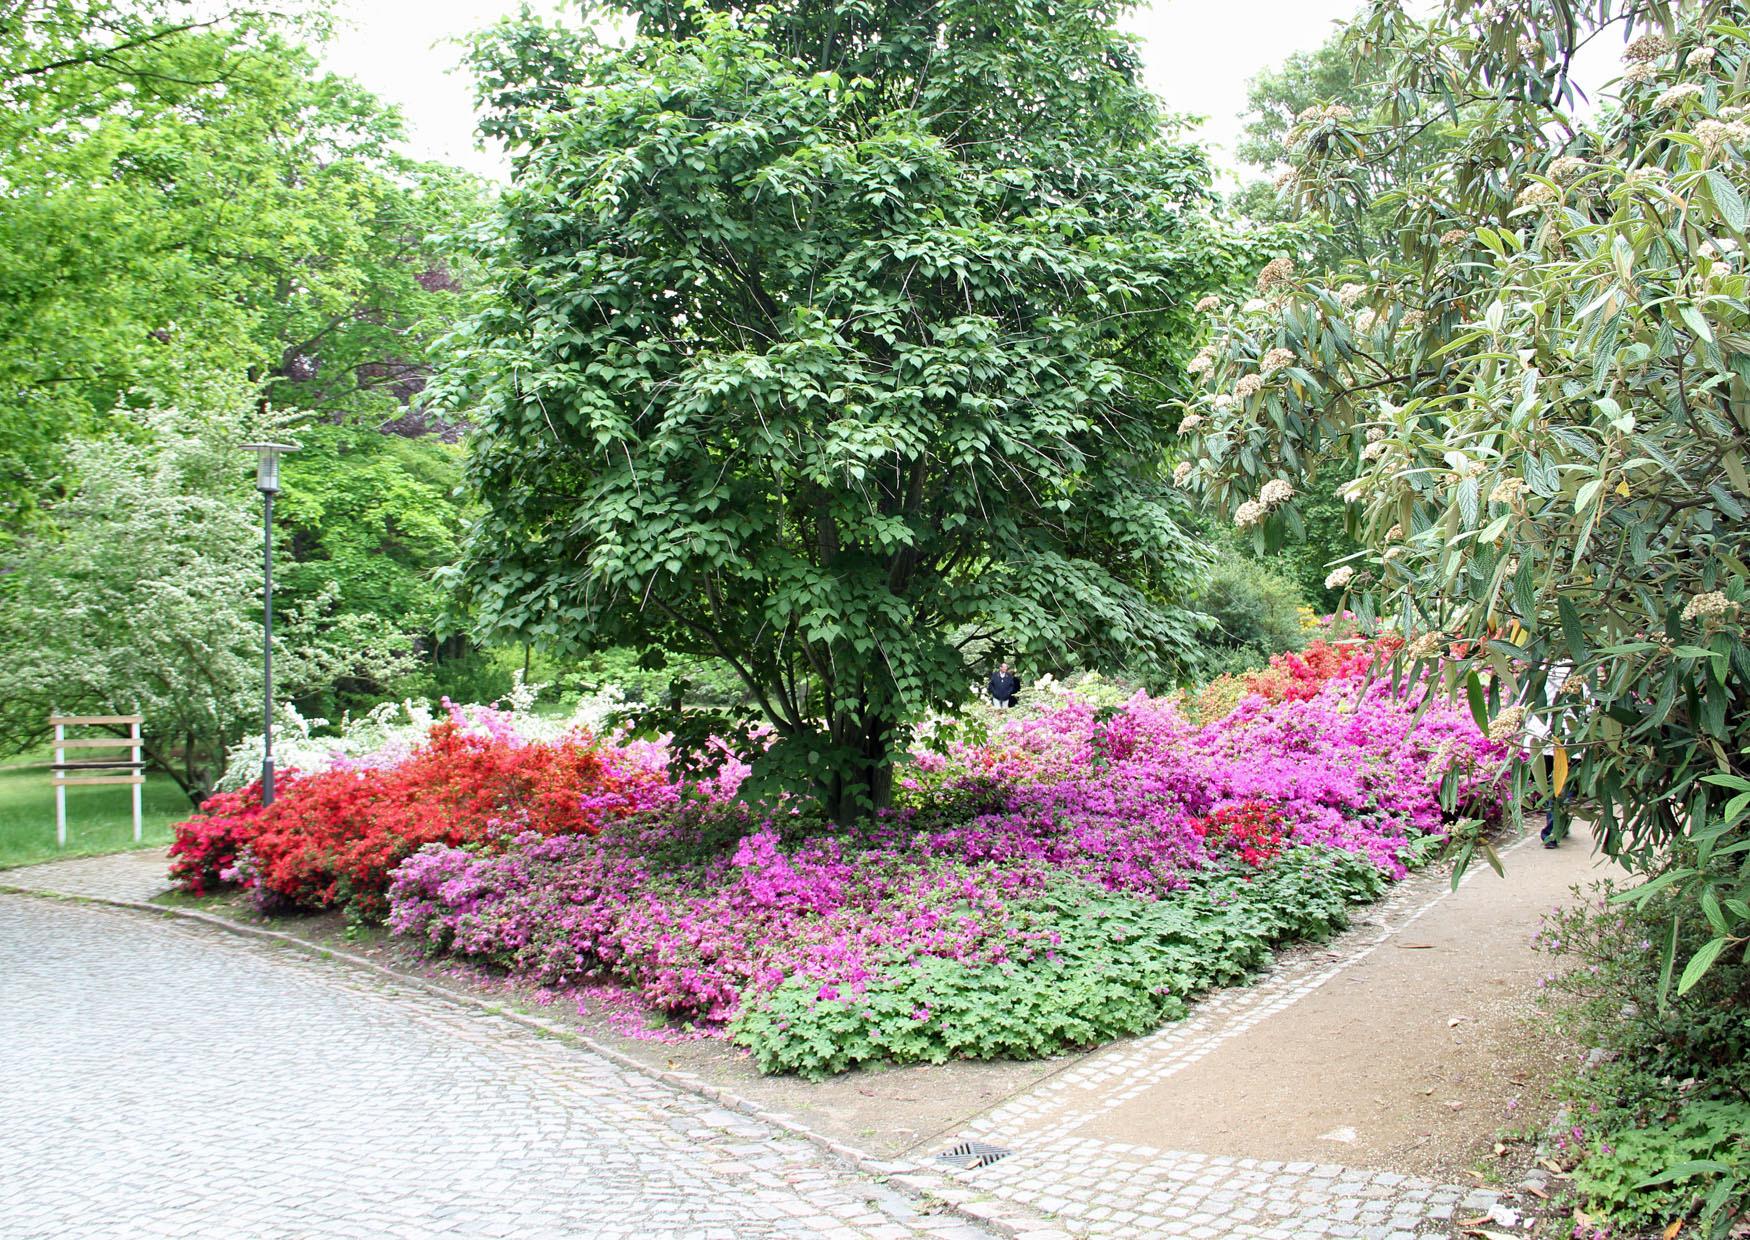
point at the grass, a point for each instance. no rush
(99, 819)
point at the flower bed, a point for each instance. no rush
(1078, 875)
(1076, 878)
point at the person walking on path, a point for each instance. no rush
(1537, 725)
(1004, 685)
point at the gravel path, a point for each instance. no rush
(161, 1079)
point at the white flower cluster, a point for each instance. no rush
(1714, 134)
(1201, 361)
(1339, 578)
(1413, 320)
(1190, 422)
(1507, 490)
(1224, 401)
(1351, 293)
(1506, 726)
(1330, 112)
(1211, 302)
(1425, 646)
(1647, 47)
(1538, 195)
(1249, 514)
(391, 730)
(1275, 493)
(1275, 360)
(1700, 57)
(1352, 491)
(1707, 606)
(1248, 385)
(1672, 96)
(1375, 434)
(1373, 451)
(1366, 321)
(1182, 473)
(1454, 237)
(1638, 73)
(1276, 272)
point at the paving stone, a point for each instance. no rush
(164, 1079)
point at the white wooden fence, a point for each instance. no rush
(83, 772)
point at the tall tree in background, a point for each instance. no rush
(191, 207)
(188, 196)
(828, 336)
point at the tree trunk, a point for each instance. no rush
(863, 783)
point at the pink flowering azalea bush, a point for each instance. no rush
(1077, 876)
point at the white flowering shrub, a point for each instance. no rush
(390, 730)
(1541, 380)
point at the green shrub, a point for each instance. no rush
(1255, 607)
(1666, 1083)
(1122, 965)
(1695, 1159)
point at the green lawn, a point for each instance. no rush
(99, 819)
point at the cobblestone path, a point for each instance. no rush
(164, 1080)
(138, 876)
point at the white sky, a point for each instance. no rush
(1199, 55)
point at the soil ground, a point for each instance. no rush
(1407, 1060)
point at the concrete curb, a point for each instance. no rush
(919, 1180)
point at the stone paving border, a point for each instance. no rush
(922, 1181)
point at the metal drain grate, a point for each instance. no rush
(971, 1154)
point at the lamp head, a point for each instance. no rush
(267, 465)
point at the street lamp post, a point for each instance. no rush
(267, 481)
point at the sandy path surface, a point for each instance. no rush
(1405, 1059)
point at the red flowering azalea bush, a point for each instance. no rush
(332, 837)
(1297, 675)
(204, 854)
(1253, 831)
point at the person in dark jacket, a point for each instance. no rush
(1004, 685)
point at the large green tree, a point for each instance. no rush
(830, 337)
(1542, 380)
(189, 196)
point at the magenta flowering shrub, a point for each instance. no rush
(1123, 855)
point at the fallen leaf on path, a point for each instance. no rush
(1552, 1165)
(1454, 1020)
(1414, 947)
(1671, 1229)
(1489, 1235)
(1535, 1191)
(1455, 1106)
(1499, 1149)
(1478, 1221)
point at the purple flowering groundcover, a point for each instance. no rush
(1076, 877)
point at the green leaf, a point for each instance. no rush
(1701, 962)
(1727, 198)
